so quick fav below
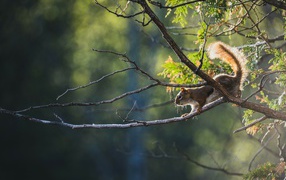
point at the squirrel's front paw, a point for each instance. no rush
(184, 115)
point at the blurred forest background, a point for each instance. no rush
(46, 48)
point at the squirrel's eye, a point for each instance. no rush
(180, 97)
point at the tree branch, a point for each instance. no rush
(135, 123)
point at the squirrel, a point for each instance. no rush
(198, 97)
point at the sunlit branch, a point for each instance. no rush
(263, 82)
(280, 148)
(184, 34)
(231, 27)
(235, 27)
(182, 28)
(251, 124)
(256, 44)
(261, 86)
(255, 24)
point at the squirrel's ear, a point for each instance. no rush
(182, 89)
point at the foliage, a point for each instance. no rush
(278, 63)
(277, 100)
(180, 12)
(177, 73)
(266, 171)
(209, 9)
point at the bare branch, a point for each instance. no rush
(136, 123)
(280, 147)
(89, 103)
(251, 124)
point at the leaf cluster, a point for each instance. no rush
(266, 171)
(211, 9)
(178, 73)
(180, 13)
(278, 63)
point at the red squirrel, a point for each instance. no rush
(198, 97)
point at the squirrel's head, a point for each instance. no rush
(182, 96)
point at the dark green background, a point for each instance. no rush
(45, 48)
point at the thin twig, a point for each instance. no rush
(259, 151)
(262, 83)
(160, 5)
(188, 158)
(89, 103)
(146, 74)
(93, 82)
(279, 146)
(203, 48)
(251, 124)
(117, 14)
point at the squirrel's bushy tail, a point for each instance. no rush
(232, 56)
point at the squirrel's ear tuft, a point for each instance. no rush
(183, 89)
